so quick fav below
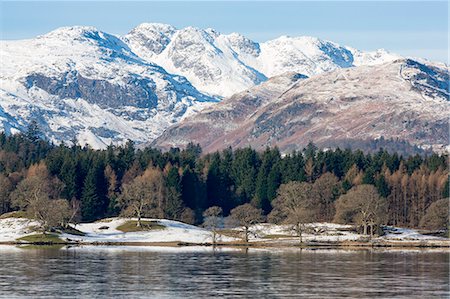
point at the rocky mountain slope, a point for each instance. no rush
(78, 82)
(402, 99)
(224, 64)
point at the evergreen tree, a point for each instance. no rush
(292, 168)
(273, 183)
(33, 132)
(193, 190)
(262, 196)
(368, 177)
(382, 186)
(310, 151)
(445, 191)
(243, 173)
(218, 182)
(68, 175)
(175, 205)
(94, 202)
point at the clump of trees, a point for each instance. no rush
(295, 205)
(436, 216)
(145, 195)
(181, 184)
(361, 205)
(38, 194)
(298, 203)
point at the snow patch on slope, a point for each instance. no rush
(78, 82)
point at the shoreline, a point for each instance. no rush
(107, 232)
(259, 244)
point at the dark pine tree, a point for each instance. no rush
(270, 158)
(382, 186)
(243, 173)
(94, 200)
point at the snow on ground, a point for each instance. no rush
(396, 233)
(105, 231)
(174, 231)
(14, 228)
(313, 232)
(331, 232)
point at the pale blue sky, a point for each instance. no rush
(416, 28)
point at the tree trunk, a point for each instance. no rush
(299, 232)
(214, 237)
(138, 224)
(365, 229)
(246, 234)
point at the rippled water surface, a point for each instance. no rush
(132, 272)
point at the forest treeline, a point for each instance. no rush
(86, 184)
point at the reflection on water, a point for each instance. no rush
(136, 272)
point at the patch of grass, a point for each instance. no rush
(72, 231)
(278, 236)
(230, 233)
(131, 226)
(14, 214)
(42, 239)
(106, 220)
(435, 233)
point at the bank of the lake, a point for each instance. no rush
(163, 232)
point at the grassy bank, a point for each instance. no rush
(44, 239)
(131, 226)
(50, 239)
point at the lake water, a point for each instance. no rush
(137, 272)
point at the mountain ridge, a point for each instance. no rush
(78, 82)
(100, 88)
(397, 99)
(252, 62)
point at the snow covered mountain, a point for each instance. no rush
(404, 99)
(84, 83)
(223, 64)
(205, 57)
(79, 82)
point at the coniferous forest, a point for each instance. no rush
(181, 184)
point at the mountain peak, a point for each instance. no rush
(152, 31)
(72, 32)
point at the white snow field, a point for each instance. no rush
(105, 232)
(174, 231)
(14, 228)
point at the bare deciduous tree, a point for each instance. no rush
(437, 215)
(58, 213)
(296, 205)
(362, 205)
(246, 215)
(212, 220)
(327, 189)
(5, 189)
(144, 196)
(188, 216)
(38, 195)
